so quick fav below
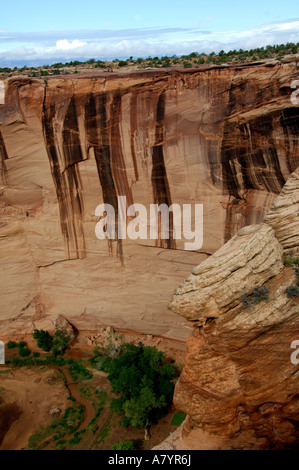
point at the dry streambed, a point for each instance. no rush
(28, 394)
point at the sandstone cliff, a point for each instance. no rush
(226, 137)
(239, 386)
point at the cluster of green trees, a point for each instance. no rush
(56, 343)
(241, 55)
(140, 376)
(278, 50)
(143, 381)
(22, 348)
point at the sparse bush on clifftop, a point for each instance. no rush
(258, 295)
(292, 291)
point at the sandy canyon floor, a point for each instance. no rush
(29, 393)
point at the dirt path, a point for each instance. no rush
(74, 389)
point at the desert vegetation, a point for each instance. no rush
(258, 295)
(142, 379)
(132, 393)
(194, 59)
(293, 261)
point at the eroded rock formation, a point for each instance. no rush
(226, 137)
(284, 215)
(239, 386)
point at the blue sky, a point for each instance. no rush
(35, 31)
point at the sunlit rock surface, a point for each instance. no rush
(224, 137)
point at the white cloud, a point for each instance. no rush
(65, 45)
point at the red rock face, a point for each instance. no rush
(223, 137)
(239, 388)
(239, 385)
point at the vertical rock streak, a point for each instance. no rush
(98, 138)
(66, 176)
(3, 157)
(117, 158)
(133, 129)
(289, 121)
(161, 190)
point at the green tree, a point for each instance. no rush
(43, 339)
(141, 410)
(23, 350)
(143, 379)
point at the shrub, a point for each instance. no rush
(24, 351)
(11, 345)
(58, 361)
(291, 261)
(258, 295)
(79, 372)
(292, 291)
(123, 445)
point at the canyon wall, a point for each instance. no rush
(224, 137)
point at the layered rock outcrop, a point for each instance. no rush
(284, 215)
(225, 137)
(239, 386)
(246, 262)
